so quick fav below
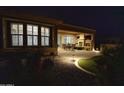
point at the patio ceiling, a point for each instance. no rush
(69, 32)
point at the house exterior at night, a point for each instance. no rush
(20, 33)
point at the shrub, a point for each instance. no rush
(114, 60)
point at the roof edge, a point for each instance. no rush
(30, 17)
(76, 28)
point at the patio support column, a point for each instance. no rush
(93, 42)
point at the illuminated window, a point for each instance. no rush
(45, 36)
(68, 39)
(32, 35)
(17, 34)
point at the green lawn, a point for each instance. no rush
(90, 64)
(93, 65)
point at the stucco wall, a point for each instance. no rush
(80, 39)
(44, 50)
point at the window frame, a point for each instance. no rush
(44, 36)
(10, 34)
(25, 23)
(32, 35)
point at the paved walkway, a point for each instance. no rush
(66, 73)
(67, 57)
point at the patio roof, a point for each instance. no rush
(76, 28)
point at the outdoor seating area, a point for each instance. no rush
(71, 47)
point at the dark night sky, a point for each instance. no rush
(108, 21)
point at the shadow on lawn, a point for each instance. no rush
(23, 69)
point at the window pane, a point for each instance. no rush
(14, 29)
(35, 30)
(29, 29)
(20, 40)
(42, 31)
(65, 40)
(68, 40)
(46, 41)
(29, 41)
(46, 31)
(20, 29)
(42, 41)
(35, 40)
(14, 40)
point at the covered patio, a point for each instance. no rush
(73, 40)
